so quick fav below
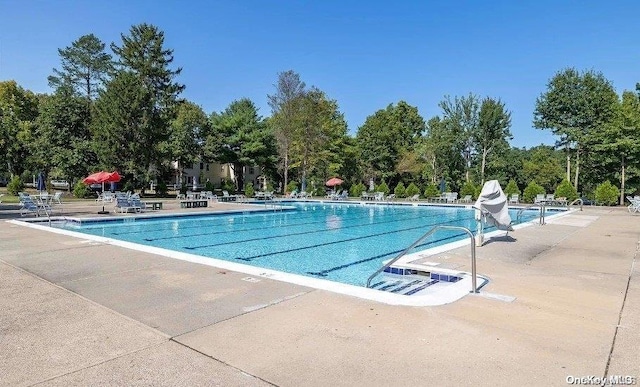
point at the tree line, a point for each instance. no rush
(123, 110)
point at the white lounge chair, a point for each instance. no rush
(540, 198)
(465, 199)
(415, 198)
(515, 199)
(634, 205)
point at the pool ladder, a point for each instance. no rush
(543, 213)
(474, 287)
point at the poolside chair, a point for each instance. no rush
(634, 205)
(540, 198)
(550, 198)
(391, 196)
(515, 199)
(379, 196)
(136, 204)
(29, 206)
(452, 197)
(123, 204)
(465, 199)
(343, 195)
(415, 198)
(209, 195)
(1, 195)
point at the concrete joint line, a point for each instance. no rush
(222, 362)
(136, 322)
(100, 362)
(624, 301)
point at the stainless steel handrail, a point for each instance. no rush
(543, 211)
(474, 288)
(577, 200)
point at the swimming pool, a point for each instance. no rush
(337, 242)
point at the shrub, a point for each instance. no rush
(533, 189)
(566, 190)
(478, 191)
(431, 191)
(468, 189)
(128, 186)
(607, 194)
(512, 188)
(292, 186)
(383, 187)
(15, 185)
(248, 190)
(400, 191)
(208, 186)
(227, 185)
(161, 189)
(357, 190)
(81, 190)
(412, 189)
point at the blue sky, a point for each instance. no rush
(364, 54)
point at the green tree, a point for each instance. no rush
(285, 113)
(63, 144)
(386, 135)
(493, 129)
(461, 116)
(531, 191)
(383, 187)
(85, 67)
(619, 141)
(566, 190)
(125, 139)
(185, 139)
(240, 137)
(431, 191)
(468, 188)
(144, 74)
(574, 107)
(543, 166)
(18, 112)
(441, 151)
(512, 188)
(400, 191)
(607, 193)
(319, 137)
(412, 190)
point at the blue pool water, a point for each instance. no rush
(337, 242)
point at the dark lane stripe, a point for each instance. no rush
(324, 273)
(317, 231)
(251, 258)
(274, 227)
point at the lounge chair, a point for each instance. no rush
(515, 199)
(540, 198)
(634, 205)
(29, 206)
(379, 196)
(391, 196)
(56, 198)
(465, 199)
(1, 195)
(343, 195)
(123, 204)
(451, 197)
(415, 198)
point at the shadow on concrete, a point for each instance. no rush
(503, 238)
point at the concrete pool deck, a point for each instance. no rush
(74, 312)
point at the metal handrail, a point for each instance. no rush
(577, 200)
(474, 288)
(543, 211)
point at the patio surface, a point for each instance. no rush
(74, 312)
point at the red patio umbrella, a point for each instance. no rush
(102, 177)
(333, 182)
